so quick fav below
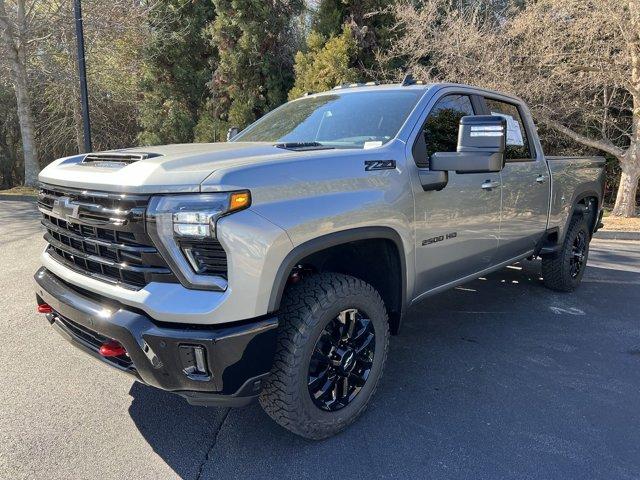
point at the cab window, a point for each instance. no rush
(518, 147)
(443, 123)
(440, 131)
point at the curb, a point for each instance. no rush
(18, 198)
(613, 235)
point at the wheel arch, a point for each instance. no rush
(332, 247)
(585, 202)
(588, 203)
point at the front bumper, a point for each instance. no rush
(239, 355)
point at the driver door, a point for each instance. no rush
(457, 228)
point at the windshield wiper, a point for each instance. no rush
(303, 146)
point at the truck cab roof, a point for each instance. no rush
(372, 87)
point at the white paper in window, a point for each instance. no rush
(514, 134)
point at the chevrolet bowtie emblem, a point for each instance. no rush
(65, 209)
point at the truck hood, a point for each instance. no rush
(169, 168)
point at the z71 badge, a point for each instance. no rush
(370, 165)
(439, 238)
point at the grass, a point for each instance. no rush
(618, 224)
(28, 191)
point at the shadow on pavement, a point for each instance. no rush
(178, 432)
(499, 378)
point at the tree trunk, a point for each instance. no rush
(27, 130)
(625, 205)
(16, 58)
(630, 163)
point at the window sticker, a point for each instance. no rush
(372, 144)
(486, 131)
(514, 134)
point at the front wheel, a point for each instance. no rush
(332, 346)
(563, 272)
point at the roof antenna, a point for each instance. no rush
(408, 80)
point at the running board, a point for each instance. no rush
(468, 278)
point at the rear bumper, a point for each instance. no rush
(238, 355)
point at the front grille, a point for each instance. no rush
(92, 340)
(102, 235)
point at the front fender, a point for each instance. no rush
(317, 244)
(327, 192)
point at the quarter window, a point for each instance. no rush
(518, 147)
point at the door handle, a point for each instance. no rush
(490, 185)
(541, 178)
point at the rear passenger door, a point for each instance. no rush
(525, 183)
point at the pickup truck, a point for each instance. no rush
(276, 265)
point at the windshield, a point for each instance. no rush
(339, 120)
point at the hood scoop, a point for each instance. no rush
(115, 159)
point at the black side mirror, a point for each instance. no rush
(232, 132)
(481, 146)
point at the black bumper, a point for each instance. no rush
(238, 355)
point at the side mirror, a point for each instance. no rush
(232, 132)
(481, 146)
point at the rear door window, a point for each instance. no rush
(518, 146)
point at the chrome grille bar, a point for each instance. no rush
(101, 235)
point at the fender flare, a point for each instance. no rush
(577, 198)
(331, 240)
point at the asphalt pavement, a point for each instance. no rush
(498, 379)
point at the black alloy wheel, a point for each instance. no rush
(563, 270)
(333, 337)
(341, 361)
(578, 253)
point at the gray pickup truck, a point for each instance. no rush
(277, 265)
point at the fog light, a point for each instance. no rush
(194, 361)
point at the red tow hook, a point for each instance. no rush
(112, 348)
(45, 308)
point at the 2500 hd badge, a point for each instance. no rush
(439, 238)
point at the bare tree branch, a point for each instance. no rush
(603, 145)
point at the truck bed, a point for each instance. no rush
(573, 177)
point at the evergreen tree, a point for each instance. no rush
(325, 64)
(329, 17)
(370, 22)
(178, 66)
(255, 42)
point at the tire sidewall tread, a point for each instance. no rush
(306, 309)
(556, 270)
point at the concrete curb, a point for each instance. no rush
(18, 198)
(613, 235)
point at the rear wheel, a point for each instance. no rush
(563, 272)
(332, 346)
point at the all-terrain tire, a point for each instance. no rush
(306, 310)
(558, 271)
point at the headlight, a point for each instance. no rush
(196, 215)
(193, 217)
